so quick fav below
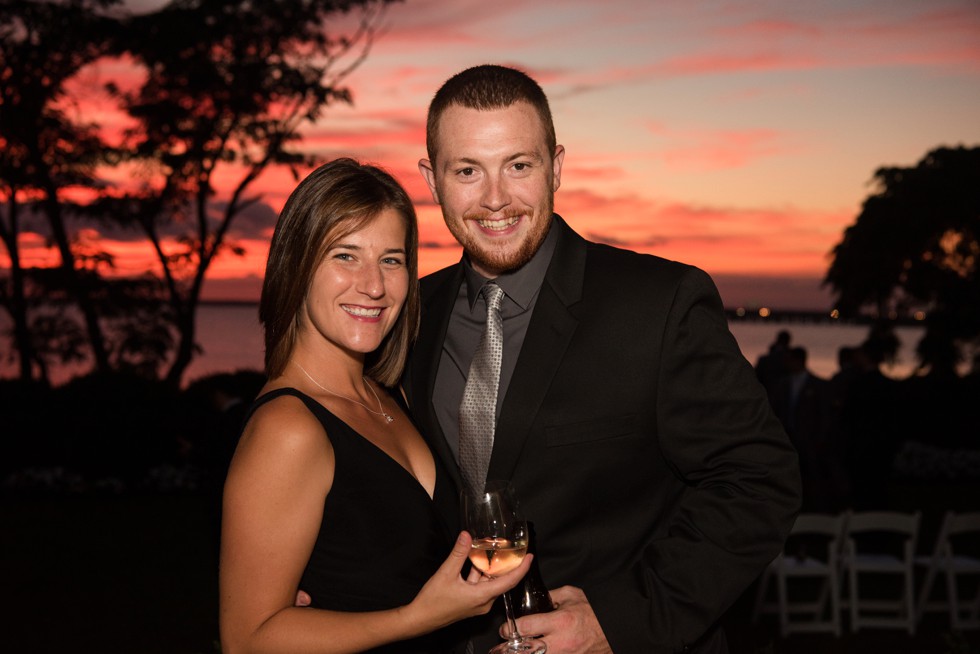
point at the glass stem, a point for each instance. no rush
(515, 635)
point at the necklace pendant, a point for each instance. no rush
(388, 418)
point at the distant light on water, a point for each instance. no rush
(740, 312)
(244, 351)
(764, 312)
(919, 315)
(835, 314)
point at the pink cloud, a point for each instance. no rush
(773, 29)
(591, 174)
(369, 130)
(843, 40)
(697, 150)
(726, 149)
(418, 24)
(948, 23)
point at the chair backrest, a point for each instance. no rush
(889, 521)
(961, 523)
(883, 532)
(949, 560)
(816, 535)
(820, 523)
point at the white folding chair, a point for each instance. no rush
(881, 544)
(951, 559)
(807, 577)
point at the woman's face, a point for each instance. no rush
(359, 288)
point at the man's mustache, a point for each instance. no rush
(497, 215)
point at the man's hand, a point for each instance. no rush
(571, 628)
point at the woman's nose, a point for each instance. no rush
(371, 281)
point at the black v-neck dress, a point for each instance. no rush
(381, 536)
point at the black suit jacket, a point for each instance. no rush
(639, 441)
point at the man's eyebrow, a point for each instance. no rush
(536, 156)
(533, 155)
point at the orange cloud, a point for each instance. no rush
(367, 131)
(718, 239)
(707, 150)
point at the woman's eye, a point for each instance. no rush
(393, 261)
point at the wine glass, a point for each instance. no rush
(500, 539)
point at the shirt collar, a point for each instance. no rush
(519, 285)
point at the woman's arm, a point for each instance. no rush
(273, 505)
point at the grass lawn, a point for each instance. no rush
(137, 574)
(109, 574)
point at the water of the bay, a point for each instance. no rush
(230, 337)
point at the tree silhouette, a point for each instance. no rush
(916, 246)
(229, 84)
(43, 152)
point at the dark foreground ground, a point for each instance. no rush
(137, 574)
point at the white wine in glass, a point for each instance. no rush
(497, 556)
(500, 538)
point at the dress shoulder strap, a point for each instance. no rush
(314, 406)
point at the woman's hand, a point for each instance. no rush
(446, 597)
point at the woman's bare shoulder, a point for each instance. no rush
(285, 426)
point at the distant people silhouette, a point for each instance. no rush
(870, 422)
(802, 402)
(771, 366)
(838, 486)
(941, 398)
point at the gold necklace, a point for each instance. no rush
(344, 397)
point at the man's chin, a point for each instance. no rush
(498, 265)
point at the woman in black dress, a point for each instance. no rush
(331, 489)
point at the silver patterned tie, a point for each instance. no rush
(477, 411)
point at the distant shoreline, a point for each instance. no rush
(744, 314)
(805, 316)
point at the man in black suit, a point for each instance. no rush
(637, 436)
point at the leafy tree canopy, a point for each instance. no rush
(915, 246)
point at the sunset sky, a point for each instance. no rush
(737, 135)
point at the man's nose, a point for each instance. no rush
(495, 193)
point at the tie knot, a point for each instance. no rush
(493, 294)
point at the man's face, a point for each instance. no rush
(495, 180)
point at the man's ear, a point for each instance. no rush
(425, 167)
(556, 164)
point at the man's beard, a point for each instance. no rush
(497, 261)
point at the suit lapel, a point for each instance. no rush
(436, 310)
(551, 328)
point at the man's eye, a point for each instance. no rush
(520, 167)
(466, 172)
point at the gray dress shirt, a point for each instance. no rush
(466, 326)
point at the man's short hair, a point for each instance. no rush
(485, 88)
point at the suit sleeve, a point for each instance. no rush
(740, 480)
